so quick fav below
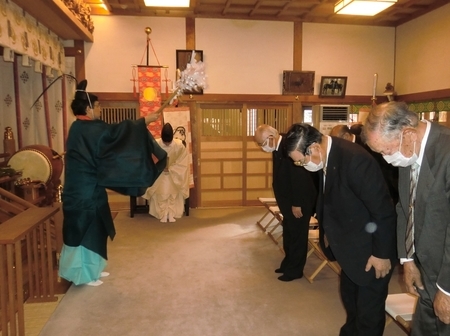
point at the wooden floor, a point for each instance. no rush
(37, 314)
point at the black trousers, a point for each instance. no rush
(364, 305)
(295, 242)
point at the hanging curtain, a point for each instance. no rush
(149, 79)
(7, 101)
(24, 35)
(33, 126)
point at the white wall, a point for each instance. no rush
(423, 53)
(120, 42)
(357, 52)
(243, 56)
(248, 57)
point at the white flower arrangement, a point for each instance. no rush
(193, 78)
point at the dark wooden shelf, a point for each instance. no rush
(5, 179)
(57, 17)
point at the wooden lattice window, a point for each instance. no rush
(275, 117)
(221, 121)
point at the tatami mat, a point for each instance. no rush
(37, 314)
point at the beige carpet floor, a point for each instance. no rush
(211, 273)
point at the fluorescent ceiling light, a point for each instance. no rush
(167, 3)
(362, 7)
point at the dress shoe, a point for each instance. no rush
(287, 278)
(279, 270)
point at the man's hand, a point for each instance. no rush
(297, 212)
(442, 306)
(381, 266)
(412, 278)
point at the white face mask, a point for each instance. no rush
(399, 160)
(313, 167)
(266, 146)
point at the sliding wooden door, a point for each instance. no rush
(231, 169)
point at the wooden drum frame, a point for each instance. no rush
(38, 163)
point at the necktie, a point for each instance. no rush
(412, 199)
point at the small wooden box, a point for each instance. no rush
(32, 192)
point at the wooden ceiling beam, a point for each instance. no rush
(257, 5)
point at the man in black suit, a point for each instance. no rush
(356, 221)
(343, 132)
(295, 194)
(390, 172)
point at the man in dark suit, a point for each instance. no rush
(356, 220)
(390, 172)
(343, 132)
(422, 147)
(295, 194)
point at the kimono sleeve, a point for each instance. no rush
(125, 158)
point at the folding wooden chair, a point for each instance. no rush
(314, 248)
(400, 308)
(268, 218)
(276, 231)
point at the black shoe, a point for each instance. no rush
(279, 270)
(287, 278)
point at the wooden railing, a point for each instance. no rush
(27, 263)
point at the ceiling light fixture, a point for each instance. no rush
(167, 3)
(362, 7)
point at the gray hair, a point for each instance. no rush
(300, 137)
(389, 119)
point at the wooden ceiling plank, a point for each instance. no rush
(257, 5)
(315, 11)
(227, 5)
(283, 10)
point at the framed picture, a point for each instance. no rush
(333, 86)
(183, 58)
(298, 82)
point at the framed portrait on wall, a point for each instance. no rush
(183, 57)
(298, 82)
(333, 86)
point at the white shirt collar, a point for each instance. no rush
(424, 142)
(279, 141)
(325, 164)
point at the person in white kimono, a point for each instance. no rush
(167, 195)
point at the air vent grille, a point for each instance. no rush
(334, 113)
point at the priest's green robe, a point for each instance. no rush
(120, 157)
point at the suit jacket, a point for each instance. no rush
(432, 208)
(292, 185)
(356, 212)
(390, 172)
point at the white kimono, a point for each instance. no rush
(166, 196)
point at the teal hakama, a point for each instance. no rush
(100, 156)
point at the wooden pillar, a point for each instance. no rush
(77, 51)
(190, 33)
(298, 51)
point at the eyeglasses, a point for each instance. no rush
(265, 141)
(303, 162)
